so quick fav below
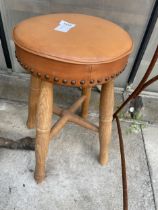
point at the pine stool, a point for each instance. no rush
(92, 52)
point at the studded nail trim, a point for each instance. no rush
(63, 81)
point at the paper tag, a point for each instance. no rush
(64, 26)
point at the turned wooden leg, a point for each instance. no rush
(85, 106)
(33, 99)
(105, 120)
(44, 116)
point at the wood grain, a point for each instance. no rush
(68, 115)
(85, 106)
(105, 119)
(44, 116)
(33, 100)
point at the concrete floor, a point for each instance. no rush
(75, 180)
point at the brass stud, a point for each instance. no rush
(38, 74)
(91, 81)
(29, 68)
(31, 71)
(46, 76)
(73, 82)
(99, 81)
(56, 79)
(64, 81)
(25, 66)
(107, 78)
(82, 82)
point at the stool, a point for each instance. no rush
(92, 52)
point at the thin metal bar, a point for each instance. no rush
(144, 42)
(146, 84)
(146, 76)
(4, 44)
(123, 166)
(141, 86)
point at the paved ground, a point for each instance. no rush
(75, 180)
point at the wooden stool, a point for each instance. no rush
(93, 52)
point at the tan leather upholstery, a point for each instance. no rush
(92, 52)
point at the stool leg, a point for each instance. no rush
(87, 92)
(105, 119)
(33, 100)
(44, 116)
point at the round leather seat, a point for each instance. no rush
(93, 52)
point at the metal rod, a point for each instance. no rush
(4, 44)
(144, 42)
(141, 86)
(146, 76)
(149, 82)
(123, 166)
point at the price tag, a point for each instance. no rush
(64, 26)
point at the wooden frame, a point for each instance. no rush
(41, 101)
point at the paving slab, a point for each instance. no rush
(150, 135)
(150, 113)
(74, 180)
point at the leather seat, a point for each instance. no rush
(93, 52)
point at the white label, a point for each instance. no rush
(64, 26)
(131, 109)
